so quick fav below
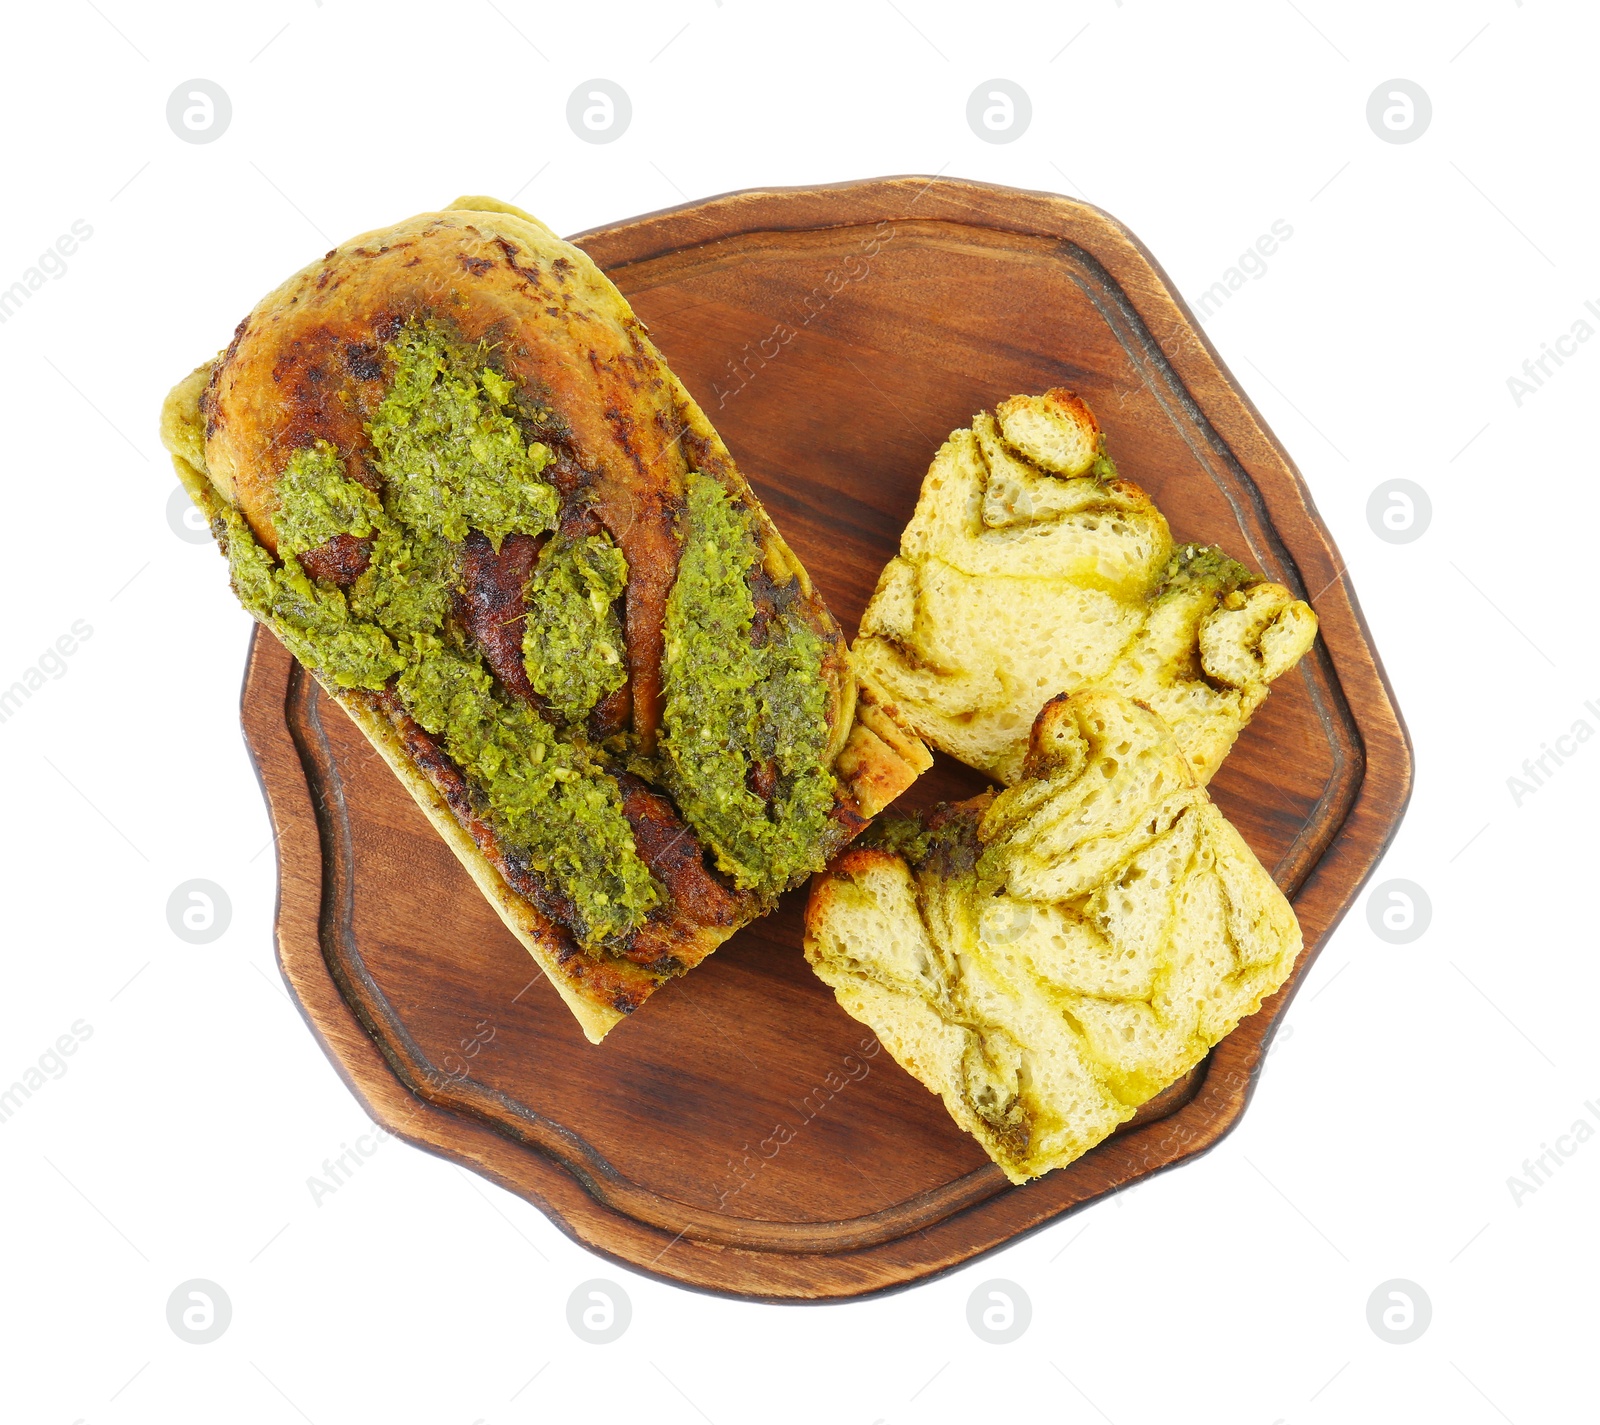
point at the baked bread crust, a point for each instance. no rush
(306, 367)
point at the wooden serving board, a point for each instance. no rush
(741, 1133)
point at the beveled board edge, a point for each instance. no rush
(1326, 894)
(463, 1095)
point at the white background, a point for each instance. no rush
(1410, 1082)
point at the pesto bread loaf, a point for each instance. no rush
(453, 475)
(1030, 568)
(1048, 958)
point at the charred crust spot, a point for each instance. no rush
(567, 951)
(622, 424)
(489, 604)
(477, 266)
(531, 275)
(611, 714)
(208, 397)
(674, 854)
(782, 597)
(852, 823)
(633, 371)
(763, 779)
(313, 381)
(568, 477)
(700, 453)
(362, 361)
(340, 560)
(386, 326)
(562, 267)
(579, 520)
(772, 601)
(546, 423)
(501, 329)
(208, 406)
(533, 887)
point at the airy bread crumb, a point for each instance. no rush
(1030, 568)
(1050, 957)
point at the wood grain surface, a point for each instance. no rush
(741, 1133)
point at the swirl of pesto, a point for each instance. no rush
(317, 501)
(448, 442)
(547, 794)
(572, 637)
(737, 711)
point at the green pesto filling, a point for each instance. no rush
(310, 616)
(572, 638)
(943, 839)
(406, 585)
(905, 834)
(449, 445)
(1205, 566)
(547, 795)
(732, 707)
(318, 500)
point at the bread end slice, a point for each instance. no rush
(1030, 568)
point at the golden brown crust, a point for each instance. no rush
(881, 757)
(851, 862)
(1069, 404)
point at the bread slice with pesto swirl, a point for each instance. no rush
(451, 472)
(1031, 567)
(1050, 957)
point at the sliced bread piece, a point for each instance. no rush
(1050, 957)
(1031, 568)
